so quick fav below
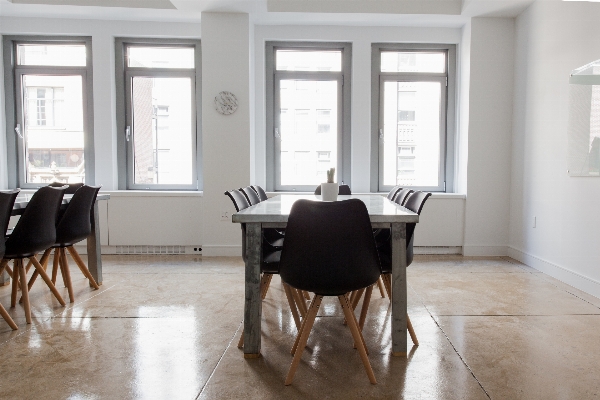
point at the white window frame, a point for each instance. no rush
(13, 107)
(447, 120)
(273, 76)
(124, 74)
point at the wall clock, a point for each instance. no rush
(226, 103)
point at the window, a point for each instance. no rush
(308, 121)
(412, 116)
(158, 114)
(49, 110)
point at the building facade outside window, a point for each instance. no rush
(308, 121)
(158, 113)
(413, 116)
(49, 110)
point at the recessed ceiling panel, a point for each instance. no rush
(156, 4)
(447, 7)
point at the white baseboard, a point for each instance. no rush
(565, 275)
(485, 250)
(437, 250)
(222, 250)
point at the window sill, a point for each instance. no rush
(434, 195)
(154, 193)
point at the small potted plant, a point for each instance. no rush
(329, 189)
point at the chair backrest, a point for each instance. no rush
(7, 201)
(75, 223)
(251, 195)
(36, 229)
(239, 200)
(261, 192)
(392, 194)
(402, 195)
(414, 203)
(329, 247)
(343, 190)
(72, 187)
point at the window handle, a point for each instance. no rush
(277, 135)
(127, 133)
(381, 134)
(18, 131)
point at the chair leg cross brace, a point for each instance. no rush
(307, 325)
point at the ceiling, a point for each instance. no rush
(448, 13)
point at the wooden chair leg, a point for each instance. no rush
(365, 307)
(48, 281)
(15, 284)
(7, 318)
(24, 290)
(67, 274)
(380, 286)
(310, 320)
(411, 331)
(55, 265)
(290, 298)
(84, 269)
(344, 301)
(306, 295)
(44, 262)
(299, 299)
(387, 281)
(241, 341)
(265, 280)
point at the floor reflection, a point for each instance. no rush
(166, 352)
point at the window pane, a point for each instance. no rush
(51, 54)
(53, 131)
(298, 60)
(162, 130)
(160, 57)
(411, 129)
(309, 131)
(402, 61)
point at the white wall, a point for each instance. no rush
(489, 136)
(553, 38)
(234, 146)
(225, 138)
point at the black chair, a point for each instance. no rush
(7, 201)
(261, 192)
(343, 190)
(71, 187)
(251, 195)
(272, 236)
(415, 203)
(329, 250)
(35, 232)
(382, 236)
(73, 227)
(270, 261)
(392, 194)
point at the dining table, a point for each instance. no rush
(274, 213)
(94, 250)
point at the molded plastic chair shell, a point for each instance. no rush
(7, 201)
(343, 190)
(261, 192)
(392, 194)
(75, 224)
(240, 202)
(251, 195)
(415, 203)
(36, 229)
(402, 195)
(329, 248)
(72, 187)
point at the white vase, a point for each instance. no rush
(329, 191)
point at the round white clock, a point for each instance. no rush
(226, 103)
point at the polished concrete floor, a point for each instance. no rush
(166, 327)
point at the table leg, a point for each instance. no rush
(253, 303)
(399, 289)
(94, 249)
